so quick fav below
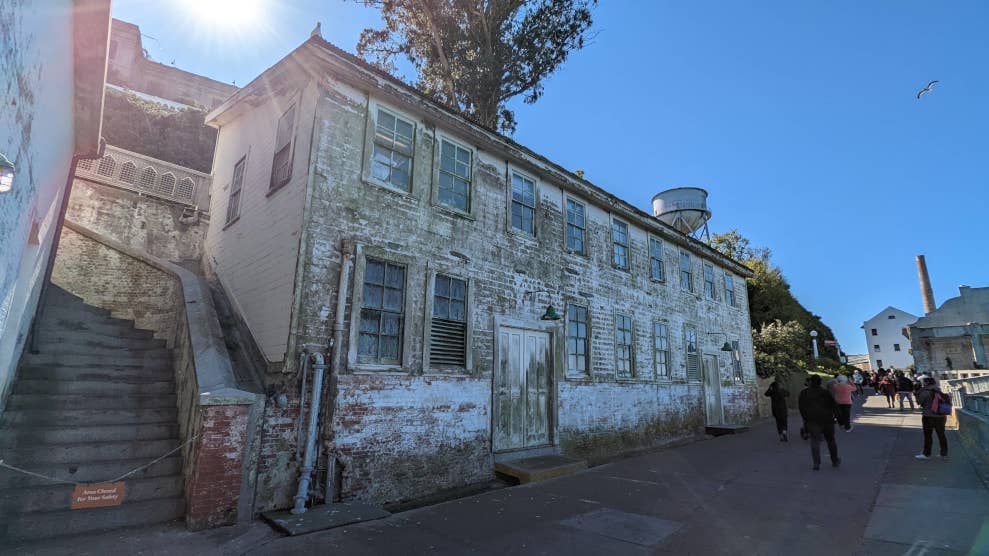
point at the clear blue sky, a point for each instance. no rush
(799, 118)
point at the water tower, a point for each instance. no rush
(685, 209)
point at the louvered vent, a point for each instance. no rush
(448, 343)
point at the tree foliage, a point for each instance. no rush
(475, 55)
(778, 348)
(180, 137)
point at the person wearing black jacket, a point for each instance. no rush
(817, 407)
(778, 394)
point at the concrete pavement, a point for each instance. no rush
(745, 494)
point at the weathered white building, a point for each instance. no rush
(955, 335)
(353, 215)
(889, 347)
(52, 67)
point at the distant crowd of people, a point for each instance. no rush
(824, 405)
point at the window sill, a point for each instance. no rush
(231, 223)
(368, 180)
(459, 372)
(578, 377)
(368, 369)
(634, 380)
(453, 212)
(626, 269)
(522, 236)
(277, 188)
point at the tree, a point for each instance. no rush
(778, 348)
(475, 55)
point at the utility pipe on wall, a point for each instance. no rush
(305, 476)
(347, 251)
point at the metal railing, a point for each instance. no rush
(971, 394)
(148, 176)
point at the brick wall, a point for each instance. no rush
(213, 487)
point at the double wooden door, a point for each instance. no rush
(521, 390)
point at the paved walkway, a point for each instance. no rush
(746, 494)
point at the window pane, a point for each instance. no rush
(392, 300)
(458, 289)
(395, 276)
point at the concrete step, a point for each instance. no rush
(61, 402)
(89, 452)
(14, 436)
(123, 387)
(41, 525)
(153, 359)
(66, 306)
(95, 373)
(63, 325)
(89, 472)
(83, 314)
(59, 496)
(109, 345)
(83, 338)
(96, 416)
(540, 468)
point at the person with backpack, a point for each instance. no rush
(817, 408)
(843, 392)
(904, 388)
(937, 407)
(888, 389)
(778, 394)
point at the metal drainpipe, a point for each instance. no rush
(305, 476)
(304, 369)
(336, 343)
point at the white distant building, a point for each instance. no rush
(888, 347)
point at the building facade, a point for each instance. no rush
(955, 335)
(885, 336)
(52, 66)
(429, 258)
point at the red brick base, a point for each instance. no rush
(213, 488)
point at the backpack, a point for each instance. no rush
(940, 403)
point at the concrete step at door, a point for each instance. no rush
(14, 436)
(61, 402)
(46, 498)
(64, 325)
(123, 387)
(153, 359)
(95, 373)
(89, 339)
(41, 525)
(89, 472)
(89, 452)
(115, 415)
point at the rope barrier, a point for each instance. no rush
(120, 478)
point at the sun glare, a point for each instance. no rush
(226, 14)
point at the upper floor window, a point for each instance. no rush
(575, 226)
(875, 347)
(896, 347)
(709, 282)
(455, 176)
(523, 203)
(624, 350)
(382, 313)
(448, 334)
(236, 184)
(619, 242)
(730, 290)
(661, 349)
(686, 272)
(281, 164)
(657, 270)
(879, 363)
(693, 355)
(577, 352)
(891, 316)
(875, 332)
(391, 151)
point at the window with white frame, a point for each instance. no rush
(875, 347)
(619, 244)
(575, 226)
(661, 349)
(448, 333)
(686, 272)
(577, 326)
(730, 290)
(736, 361)
(391, 150)
(455, 176)
(382, 313)
(624, 348)
(896, 347)
(709, 290)
(236, 183)
(281, 164)
(523, 203)
(693, 354)
(657, 268)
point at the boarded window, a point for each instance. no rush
(657, 270)
(624, 352)
(382, 312)
(686, 273)
(455, 176)
(577, 339)
(736, 360)
(391, 152)
(730, 290)
(523, 203)
(448, 336)
(693, 356)
(709, 290)
(575, 226)
(233, 205)
(281, 165)
(619, 242)
(661, 348)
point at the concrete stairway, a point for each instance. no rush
(97, 401)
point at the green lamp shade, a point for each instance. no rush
(727, 347)
(550, 314)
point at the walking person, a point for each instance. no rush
(904, 388)
(858, 379)
(817, 408)
(843, 399)
(888, 389)
(931, 421)
(777, 395)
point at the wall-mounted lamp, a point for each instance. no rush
(550, 313)
(6, 174)
(727, 344)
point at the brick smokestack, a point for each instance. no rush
(926, 292)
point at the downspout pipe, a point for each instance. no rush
(305, 476)
(336, 358)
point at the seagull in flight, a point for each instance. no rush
(926, 89)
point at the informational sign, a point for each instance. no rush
(830, 343)
(98, 495)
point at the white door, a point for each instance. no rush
(521, 390)
(713, 410)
